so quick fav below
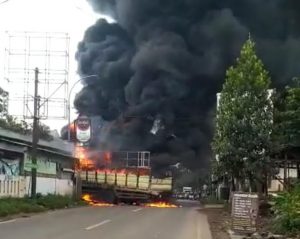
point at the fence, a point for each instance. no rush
(12, 187)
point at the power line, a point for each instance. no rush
(5, 1)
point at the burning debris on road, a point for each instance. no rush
(93, 202)
(161, 205)
(89, 199)
(161, 63)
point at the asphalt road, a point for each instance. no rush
(118, 222)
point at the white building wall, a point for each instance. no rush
(20, 186)
(277, 186)
(51, 186)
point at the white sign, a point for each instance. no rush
(244, 212)
(83, 129)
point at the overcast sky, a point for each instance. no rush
(70, 16)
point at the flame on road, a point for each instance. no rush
(161, 205)
(92, 202)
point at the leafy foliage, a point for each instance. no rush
(44, 131)
(287, 212)
(22, 127)
(287, 117)
(3, 101)
(211, 200)
(244, 118)
(9, 122)
(10, 206)
(55, 201)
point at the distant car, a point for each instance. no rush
(191, 197)
(180, 196)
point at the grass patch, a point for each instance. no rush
(287, 212)
(55, 202)
(12, 206)
(212, 200)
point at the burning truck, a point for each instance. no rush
(112, 177)
(120, 177)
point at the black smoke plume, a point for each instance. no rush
(162, 62)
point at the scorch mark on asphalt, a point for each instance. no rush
(98, 225)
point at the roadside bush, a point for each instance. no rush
(7, 208)
(55, 201)
(287, 212)
(211, 200)
(11, 206)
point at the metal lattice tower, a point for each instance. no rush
(50, 53)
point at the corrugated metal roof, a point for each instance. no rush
(11, 147)
(56, 144)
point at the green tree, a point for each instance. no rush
(11, 123)
(287, 117)
(45, 132)
(3, 102)
(286, 135)
(242, 140)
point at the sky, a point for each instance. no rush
(68, 16)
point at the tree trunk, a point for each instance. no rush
(259, 183)
(233, 188)
(252, 187)
(266, 187)
(298, 171)
(285, 184)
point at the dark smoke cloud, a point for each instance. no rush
(163, 61)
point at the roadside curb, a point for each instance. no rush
(234, 236)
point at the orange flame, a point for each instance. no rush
(72, 127)
(84, 161)
(107, 157)
(92, 202)
(161, 205)
(112, 171)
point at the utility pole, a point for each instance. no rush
(35, 133)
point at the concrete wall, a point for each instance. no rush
(51, 186)
(276, 186)
(21, 186)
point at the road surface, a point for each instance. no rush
(118, 222)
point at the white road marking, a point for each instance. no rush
(137, 210)
(97, 225)
(5, 222)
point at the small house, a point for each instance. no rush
(55, 165)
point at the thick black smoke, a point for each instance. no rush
(163, 61)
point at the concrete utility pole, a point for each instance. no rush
(35, 134)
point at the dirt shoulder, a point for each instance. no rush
(219, 221)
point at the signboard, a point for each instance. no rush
(30, 165)
(244, 212)
(83, 129)
(43, 166)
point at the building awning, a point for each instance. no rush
(12, 148)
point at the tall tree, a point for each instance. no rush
(3, 102)
(242, 138)
(286, 135)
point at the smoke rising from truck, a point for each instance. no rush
(162, 62)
